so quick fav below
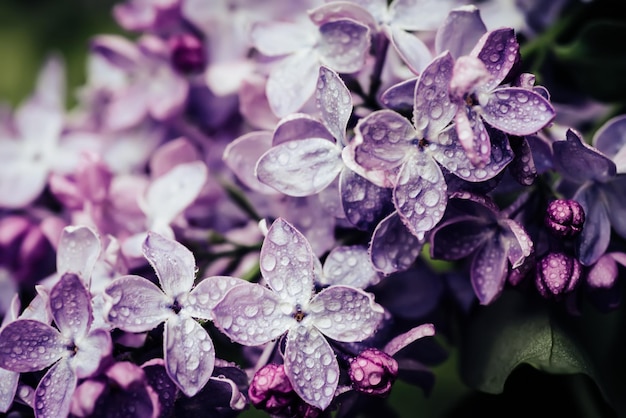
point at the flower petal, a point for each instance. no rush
(138, 305)
(251, 314)
(242, 154)
(460, 31)
(344, 45)
(499, 51)
(473, 136)
(345, 313)
(27, 345)
(203, 298)
(53, 396)
(334, 102)
(393, 247)
(299, 126)
(8, 386)
(578, 161)
(489, 269)
(411, 49)
(78, 250)
(458, 237)
(90, 351)
(174, 264)
(596, 233)
(70, 305)
(349, 266)
(292, 83)
(311, 366)
(364, 203)
(189, 354)
(402, 340)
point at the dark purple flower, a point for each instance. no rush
(270, 389)
(557, 274)
(187, 53)
(373, 372)
(564, 218)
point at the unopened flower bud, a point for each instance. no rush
(557, 274)
(565, 218)
(373, 372)
(187, 53)
(270, 389)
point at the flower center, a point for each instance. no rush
(299, 315)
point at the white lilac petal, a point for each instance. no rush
(309, 216)
(615, 199)
(8, 386)
(344, 45)
(299, 126)
(469, 76)
(499, 51)
(287, 263)
(127, 108)
(51, 84)
(517, 111)
(519, 245)
(27, 345)
(383, 139)
(460, 31)
(489, 270)
(251, 314)
(53, 395)
(412, 15)
(578, 161)
(21, 182)
(203, 298)
(242, 154)
(90, 351)
(137, 304)
(282, 38)
(364, 203)
(78, 250)
(173, 263)
(400, 97)
(188, 353)
(420, 195)
(414, 334)
(39, 125)
(349, 266)
(473, 136)
(167, 94)
(70, 305)
(300, 168)
(411, 49)
(292, 82)
(334, 101)
(459, 237)
(393, 247)
(345, 313)
(168, 195)
(433, 110)
(311, 366)
(611, 137)
(342, 10)
(595, 236)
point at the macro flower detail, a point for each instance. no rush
(373, 372)
(252, 314)
(557, 275)
(565, 218)
(138, 305)
(270, 389)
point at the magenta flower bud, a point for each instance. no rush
(564, 218)
(373, 372)
(187, 53)
(270, 389)
(557, 274)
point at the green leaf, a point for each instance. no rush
(594, 61)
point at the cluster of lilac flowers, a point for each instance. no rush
(270, 203)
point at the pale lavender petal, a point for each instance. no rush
(616, 203)
(188, 353)
(70, 305)
(53, 396)
(520, 244)
(393, 247)
(168, 195)
(302, 167)
(300, 126)
(174, 264)
(578, 161)
(469, 76)
(287, 263)
(90, 352)
(411, 49)
(251, 314)
(420, 194)
(27, 346)
(433, 110)
(167, 94)
(364, 203)
(473, 136)
(596, 234)
(39, 124)
(51, 86)
(611, 137)
(415, 15)
(334, 101)
(282, 38)
(117, 50)
(311, 366)
(8, 386)
(344, 45)
(242, 154)
(342, 10)
(460, 31)
(77, 252)
(517, 111)
(458, 238)
(138, 305)
(203, 298)
(21, 182)
(349, 266)
(127, 108)
(414, 334)
(345, 313)
(292, 83)
(400, 97)
(488, 270)
(308, 215)
(499, 51)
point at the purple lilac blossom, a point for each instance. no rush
(290, 306)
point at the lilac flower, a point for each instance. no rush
(270, 389)
(74, 350)
(475, 88)
(373, 372)
(138, 305)
(147, 15)
(252, 314)
(564, 218)
(476, 227)
(557, 275)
